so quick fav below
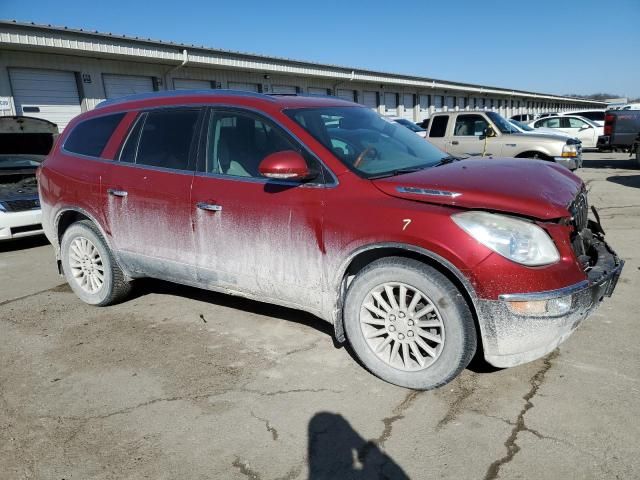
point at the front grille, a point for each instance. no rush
(21, 205)
(579, 210)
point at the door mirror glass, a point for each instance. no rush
(286, 165)
(489, 132)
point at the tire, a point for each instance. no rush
(81, 242)
(456, 330)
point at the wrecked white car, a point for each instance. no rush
(24, 142)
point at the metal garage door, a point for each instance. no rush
(49, 94)
(245, 87)
(318, 91)
(391, 103)
(345, 94)
(287, 89)
(184, 84)
(121, 85)
(407, 102)
(450, 102)
(370, 99)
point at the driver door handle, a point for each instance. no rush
(209, 206)
(454, 142)
(117, 193)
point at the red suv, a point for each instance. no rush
(322, 205)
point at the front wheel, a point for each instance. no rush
(89, 266)
(408, 324)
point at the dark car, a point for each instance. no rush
(322, 205)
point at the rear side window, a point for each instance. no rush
(439, 126)
(162, 139)
(91, 136)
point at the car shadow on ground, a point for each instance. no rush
(610, 162)
(23, 243)
(625, 180)
(147, 286)
(336, 450)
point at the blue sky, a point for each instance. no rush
(561, 46)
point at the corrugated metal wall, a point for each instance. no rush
(91, 71)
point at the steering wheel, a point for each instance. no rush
(368, 153)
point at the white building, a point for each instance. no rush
(56, 73)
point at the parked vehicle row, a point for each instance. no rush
(466, 133)
(596, 116)
(415, 257)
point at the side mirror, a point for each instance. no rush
(285, 165)
(488, 132)
(585, 126)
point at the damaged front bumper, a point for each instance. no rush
(519, 328)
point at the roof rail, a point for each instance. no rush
(218, 92)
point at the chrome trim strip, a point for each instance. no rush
(427, 191)
(546, 295)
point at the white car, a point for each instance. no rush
(596, 116)
(24, 142)
(418, 130)
(579, 127)
(524, 128)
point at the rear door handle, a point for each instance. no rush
(454, 142)
(209, 206)
(117, 193)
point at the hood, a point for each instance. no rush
(532, 188)
(26, 136)
(547, 135)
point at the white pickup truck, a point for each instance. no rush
(465, 133)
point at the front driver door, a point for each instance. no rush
(467, 133)
(254, 235)
(581, 130)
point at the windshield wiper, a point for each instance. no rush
(398, 171)
(445, 160)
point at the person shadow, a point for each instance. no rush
(336, 451)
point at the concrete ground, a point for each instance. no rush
(182, 383)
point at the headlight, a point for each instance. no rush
(570, 150)
(518, 240)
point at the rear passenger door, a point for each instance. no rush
(148, 194)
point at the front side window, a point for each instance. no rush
(237, 142)
(162, 138)
(91, 136)
(470, 126)
(364, 141)
(551, 123)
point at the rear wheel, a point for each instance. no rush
(89, 266)
(408, 324)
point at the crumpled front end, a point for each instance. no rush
(519, 328)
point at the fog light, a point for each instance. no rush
(542, 308)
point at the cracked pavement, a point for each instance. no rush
(182, 383)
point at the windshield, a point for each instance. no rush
(410, 125)
(366, 142)
(522, 126)
(503, 125)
